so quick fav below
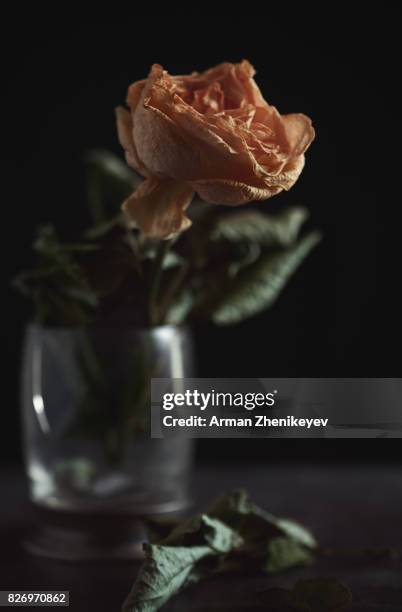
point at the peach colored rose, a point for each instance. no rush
(209, 133)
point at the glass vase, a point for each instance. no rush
(86, 433)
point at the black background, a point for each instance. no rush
(61, 80)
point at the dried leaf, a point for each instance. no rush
(171, 565)
(233, 534)
(256, 287)
(284, 552)
(254, 226)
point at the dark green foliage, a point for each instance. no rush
(233, 534)
(58, 285)
(226, 268)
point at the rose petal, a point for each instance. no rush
(157, 207)
(174, 140)
(236, 81)
(215, 132)
(299, 132)
(233, 193)
(126, 139)
(134, 93)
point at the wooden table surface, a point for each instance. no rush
(346, 507)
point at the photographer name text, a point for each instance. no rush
(253, 421)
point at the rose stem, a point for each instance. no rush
(156, 275)
(173, 290)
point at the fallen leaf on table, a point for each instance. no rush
(233, 534)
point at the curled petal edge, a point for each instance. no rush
(234, 193)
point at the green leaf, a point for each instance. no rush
(256, 227)
(215, 533)
(321, 594)
(168, 567)
(284, 552)
(109, 182)
(257, 526)
(46, 241)
(58, 284)
(24, 280)
(180, 307)
(234, 534)
(85, 296)
(251, 253)
(298, 532)
(170, 260)
(257, 287)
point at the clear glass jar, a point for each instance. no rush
(86, 419)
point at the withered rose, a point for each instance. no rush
(209, 133)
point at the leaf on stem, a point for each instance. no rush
(58, 284)
(257, 286)
(255, 227)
